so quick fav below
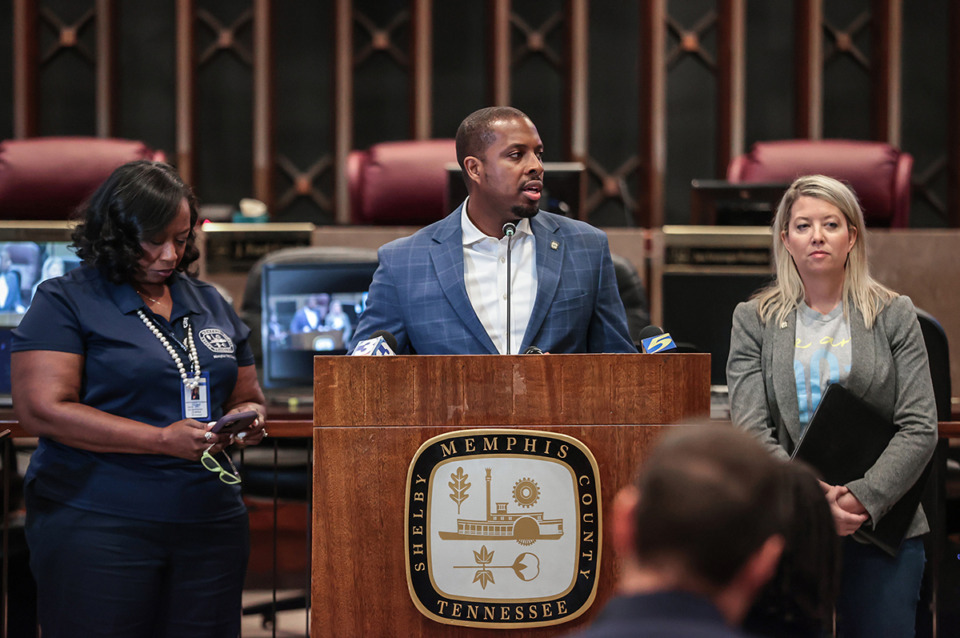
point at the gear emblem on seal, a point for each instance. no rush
(526, 492)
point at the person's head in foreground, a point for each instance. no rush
(701, 518)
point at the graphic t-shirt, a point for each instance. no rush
(822, 355)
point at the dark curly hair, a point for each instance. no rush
(135, 203)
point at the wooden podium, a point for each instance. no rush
(371, 415)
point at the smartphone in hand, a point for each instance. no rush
(233, 423)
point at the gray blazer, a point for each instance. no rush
(889, 370)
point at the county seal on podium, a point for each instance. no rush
(503, 528)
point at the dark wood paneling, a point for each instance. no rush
(498, 52)
(421, 72)
(417, 81)
(576, 74)
(342, 105)
(186, 91)
(25, 54)
(653, 113)
(887, 51)
(731, 83)
(106, 107)
(263, 102)
(808, 73)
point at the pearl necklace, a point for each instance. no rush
(190, 346)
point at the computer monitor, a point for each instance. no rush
(714, 201)
(30, 251)
(707, 271)
(564, 188)
(308, 309)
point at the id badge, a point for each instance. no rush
(196, 401)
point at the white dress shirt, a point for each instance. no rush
(485, 277)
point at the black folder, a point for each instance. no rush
(843, 440)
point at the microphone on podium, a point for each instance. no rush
(380, 344)
(653, 339)
(509, 230)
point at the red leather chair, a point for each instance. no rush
(48, 177)
(400, 183)
(878, 172)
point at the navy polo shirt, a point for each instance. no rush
(127, 372)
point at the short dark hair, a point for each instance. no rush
(475, 134)
(707, 496)
(136, 202)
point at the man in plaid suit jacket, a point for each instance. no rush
(441, 290)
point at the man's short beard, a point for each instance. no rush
(526, 212)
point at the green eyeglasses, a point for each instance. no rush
(211, 464)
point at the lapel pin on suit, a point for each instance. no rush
(554, 245)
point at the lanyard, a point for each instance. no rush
(190, 347)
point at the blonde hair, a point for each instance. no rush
(784, 295)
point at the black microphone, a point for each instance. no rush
(533, 350)
(509, 230)
(653, 339)
(649, 331)
(388, 337)
(381, 343)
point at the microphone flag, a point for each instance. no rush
(375, 347)
(658, 343)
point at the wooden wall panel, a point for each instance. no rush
(29, 61)
(186, 91)
(808, 74)
(561, 35)
(106, 64)
(887, 24)
(25, 56)
(731, 83)
(421, 72)
(263, 103)
(653, 113)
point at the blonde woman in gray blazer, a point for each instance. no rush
(820, 254)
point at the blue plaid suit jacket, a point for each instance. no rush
(418, 294)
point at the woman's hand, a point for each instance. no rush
(189, 438)
(257, 430)
(247, 395)
(844, 506)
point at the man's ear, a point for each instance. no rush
(624, 516)
(762, 564)
(735, 599)
(474, 168)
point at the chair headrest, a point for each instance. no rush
(48, 177)
(402, 183)
(872, 169)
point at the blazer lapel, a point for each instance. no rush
(549, 251)
(446, 253)
(784, 336)
(863, 357)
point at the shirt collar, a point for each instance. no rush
(185, 299)
(812, 315)
(473, 235)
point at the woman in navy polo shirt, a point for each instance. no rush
(119, 366)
